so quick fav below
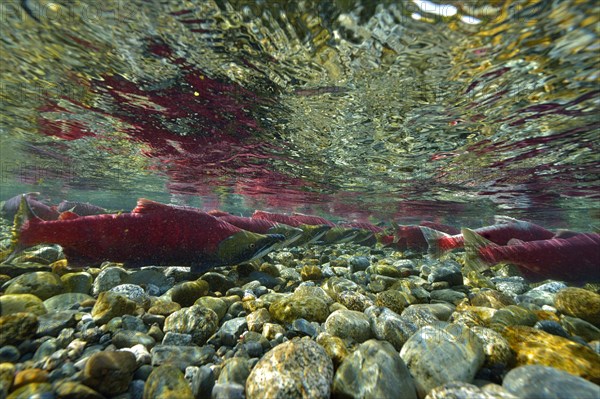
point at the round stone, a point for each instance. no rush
(349, 324)
(550, 383)
(389, 326)
(201, 323)
(107, 279)
(80, 282)
(374, 370)
(41, 284)
(395, 300)
(293, 307)
(188, 292)
(109, 372)
(65, 301)
(134, 293)
(167, 382)
(441, 353)
(295, 369)
(17, 327)
(111, 304)
(580, 303)
(218, 305)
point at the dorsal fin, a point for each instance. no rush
(68, 215)
(145, 205)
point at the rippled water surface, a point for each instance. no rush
(354, 109)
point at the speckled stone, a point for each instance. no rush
(294, 307)
(462, 390)
(334, 346)
(109, 372)
(17, 327)
(134, 293)
(41, 284)
(349, 324)
(201, 323)
(442, 353)
(108, 278)
(311, 273)
(231, 330)
(80, 282)
(541, 382)
(419, 316)
(374, 370)
(164, 307)
(218, 305)
(312, 291)
(182, 356)
(510, 316)
(496, 348)
(389, 326)
(257, 319)
(513, 285)
(167, 382)
(234, 370)
(65, 301)
(538, 347)
(295, 369)
(17, 303)
(51, 324)
(111, 304)
(580, 303)
(492, 299)
(394, 300)
(152, 276)
(335, 285)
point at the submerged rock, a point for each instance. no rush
(580, 303)
(349, 324)
(542, 382)
(167, 382)
(110, 372)
(442, 353)
(295, 369)
(374, 370)
(201, 323)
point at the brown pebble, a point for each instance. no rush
(28, 376)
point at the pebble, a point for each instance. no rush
(7, 373)
(334, 346)
(551, 327)
(134, 293)
(177, 339)
(41, 284)
(17, 327)
(580, 303)
(463, 390)
(231, 330)
(201, 323)
(79, 282)
(394, 300)
(374, 370)
(449, 271)
(109, 372)
(234, 370)
(129, 338)
(75, 390)
(389, 326)
(442, 353)
(447, 295)
(167, 382)
(218, 305)
(228, 390)
(582, 328)
(9, 353)
(201, 379)
(513, 285)
(187, 292)
(51, 324)
(492, 299)
(550, 383)
(29, 376)
(299, 368)
(533, 346)
(182, 356)
(35, 390)
(349, 324)
(107, 279)
(496, 348)
(65, 301)
(357, 263)
(109, 305)
(257, 319)
(17, 303)
(150, 276)
(293, 307)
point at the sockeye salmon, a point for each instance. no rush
(576, 258)
(262, 226)
(311, 232)
(43, 211)
(152, 233)
(440, 243)
(80, 208)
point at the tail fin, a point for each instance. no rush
(433, 240)
(473, 243)
(23, 215)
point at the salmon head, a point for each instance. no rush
(291, 234)
(311, 233)
(245, 246)
(339, 235)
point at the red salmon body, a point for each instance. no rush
(152, 232)
(500, 234)
(312, 220)
(409, 237)
(576, 258)
(365, 226)
(277, 218)
(261, 226)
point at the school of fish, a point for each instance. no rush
(161, 234)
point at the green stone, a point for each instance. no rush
(65, 301)
(217, 305)
(111, 304)
(578, 302)
(188, 292)
(41, 284)
(17, 327)
(32, 390)
(167, 382)
(78, 282)
(16, 303)
(294, 307)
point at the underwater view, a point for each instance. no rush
(268, 199)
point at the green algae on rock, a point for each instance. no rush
(578, 302)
